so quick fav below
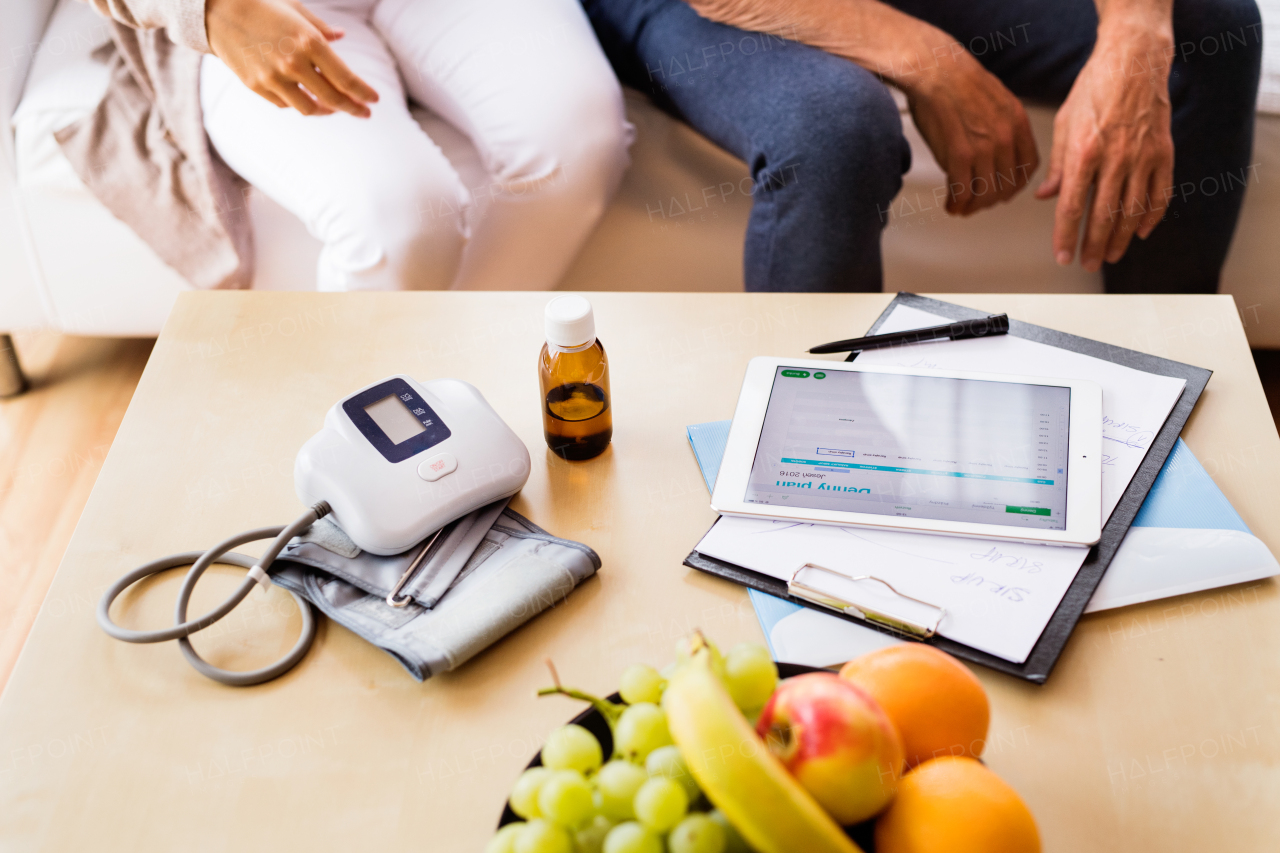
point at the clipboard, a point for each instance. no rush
(1054, 638)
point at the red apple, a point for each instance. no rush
(836, 741)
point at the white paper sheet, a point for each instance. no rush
(998, 596)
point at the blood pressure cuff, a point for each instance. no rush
(485, 575)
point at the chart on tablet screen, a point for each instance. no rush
(915, 446)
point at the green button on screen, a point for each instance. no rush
(796, 374)
(1029, 510)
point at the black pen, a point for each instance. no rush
(996, 324)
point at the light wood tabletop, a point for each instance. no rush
(1159, 729)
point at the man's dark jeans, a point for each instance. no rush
(824, 142)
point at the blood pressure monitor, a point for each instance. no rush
(395, 462)
(398, 460)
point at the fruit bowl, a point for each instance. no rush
(594, 722)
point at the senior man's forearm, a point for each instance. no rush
(1136, 36)
(1152, 16)
(902, 49)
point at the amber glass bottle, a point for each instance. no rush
(573, 371)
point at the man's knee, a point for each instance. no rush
(842, 135)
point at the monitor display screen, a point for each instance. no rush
(915, 446)
(394, 419)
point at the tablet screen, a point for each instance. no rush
(916, 446)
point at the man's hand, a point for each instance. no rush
(1112, 135)
(281, 50)
(977, 130)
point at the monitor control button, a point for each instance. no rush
(435, 467)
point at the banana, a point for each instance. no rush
(737, 772)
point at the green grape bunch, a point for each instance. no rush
(641, 798)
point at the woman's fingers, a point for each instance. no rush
(268, 95)
(343, 78)
(293, 42)
(329, 33)
(306, 66)
(329, 96)
(288, 90)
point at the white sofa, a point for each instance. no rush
(67, 264)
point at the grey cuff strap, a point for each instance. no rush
(510, 574)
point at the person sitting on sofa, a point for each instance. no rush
(309, 102)
(1152, 139)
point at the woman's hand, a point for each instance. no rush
(1112, 135)
(281, 50)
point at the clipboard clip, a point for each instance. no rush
(831, 601)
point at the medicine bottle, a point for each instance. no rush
(577, 418)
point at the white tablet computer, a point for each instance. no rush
(933, 451)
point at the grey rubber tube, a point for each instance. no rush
(199, 561)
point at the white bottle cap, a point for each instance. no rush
(570, 322)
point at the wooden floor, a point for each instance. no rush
(54, 438)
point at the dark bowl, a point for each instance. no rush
(594, 722)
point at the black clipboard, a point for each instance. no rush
(1049, 647)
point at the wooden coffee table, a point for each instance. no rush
(1159, 729)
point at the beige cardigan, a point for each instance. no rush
(143, 152)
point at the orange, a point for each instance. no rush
(935, 702)
(956, 805)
